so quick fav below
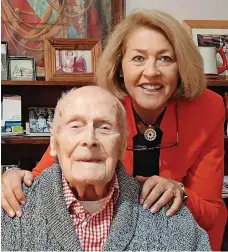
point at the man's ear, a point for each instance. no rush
(53, 152)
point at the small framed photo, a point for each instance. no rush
(71, 59)
(22, 68)
(75, 61)
(210, 33)
(4, 60)
(40, 120)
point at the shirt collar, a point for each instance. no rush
(112, 193)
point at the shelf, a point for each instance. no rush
(36, 140)
(218, 82)
(210, 82)
(24, 140)
(43, 83)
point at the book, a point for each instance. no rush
(11, 108)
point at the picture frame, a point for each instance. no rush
(71, 59)
(21, 68)
(40, 120)
(88, 19)
(209, 33)
(4, 60)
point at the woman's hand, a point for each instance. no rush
(158, 191)
(11, 194)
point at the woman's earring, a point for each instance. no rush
(121, 76)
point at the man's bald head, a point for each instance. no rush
(89, 92)
(94, 98)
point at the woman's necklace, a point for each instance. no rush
(150, 133)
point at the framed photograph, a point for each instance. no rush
(4, 60)
(22, 68)
(71, 59)
(36, 20)
(40, 120)
(210, 33)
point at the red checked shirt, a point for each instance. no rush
(92, 229)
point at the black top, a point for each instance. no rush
(146, 163)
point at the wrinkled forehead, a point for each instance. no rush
(90, 107)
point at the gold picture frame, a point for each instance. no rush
(210, 33)
(204, 24)
(71, 59)
(205, 27)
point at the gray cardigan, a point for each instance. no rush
(46, 223)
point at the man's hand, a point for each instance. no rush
(11, 194)
(158, 191)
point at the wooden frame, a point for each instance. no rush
(205, 27)
(209, 33)
(57, 66)
(204, 24)
(118, 11)
(4, 60)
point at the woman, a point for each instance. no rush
(152, 65)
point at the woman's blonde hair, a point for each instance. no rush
(190, 63)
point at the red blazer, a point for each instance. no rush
(198, 160)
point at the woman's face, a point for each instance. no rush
(149, 68)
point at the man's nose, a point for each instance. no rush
(151, 69)
(89, 139)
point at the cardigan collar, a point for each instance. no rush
(60, 221)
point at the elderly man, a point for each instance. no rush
(86, 201)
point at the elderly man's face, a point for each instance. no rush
(88, 144)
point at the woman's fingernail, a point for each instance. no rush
(29, 182)
(141, 201)
(23, 202)
(11, 213)
(168, 214)
(153, 210)
(18, 213)
(145, 206)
